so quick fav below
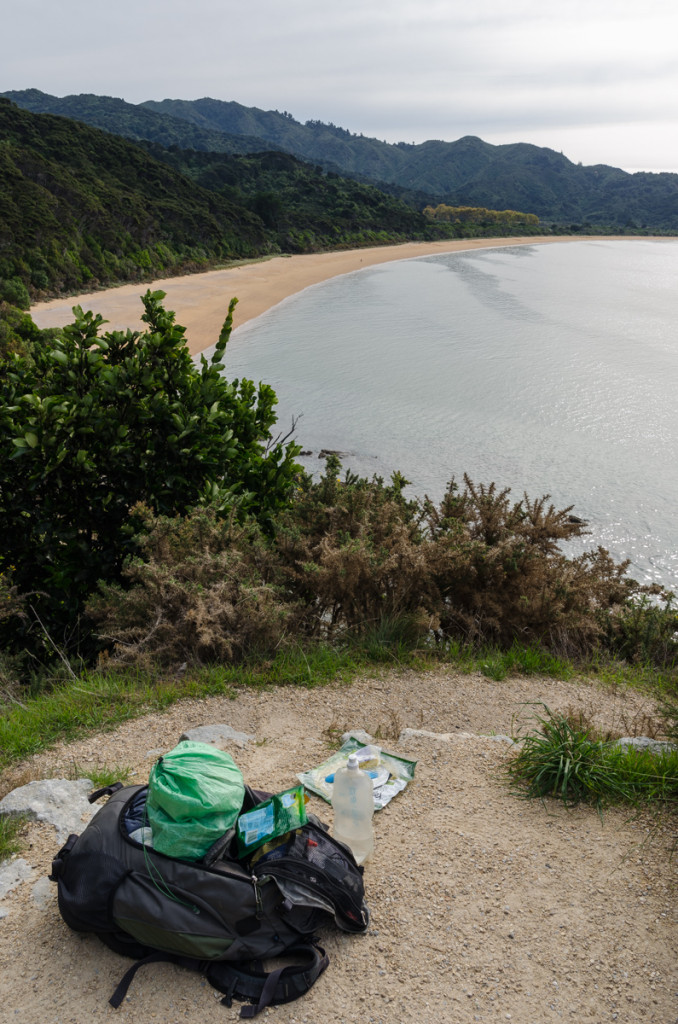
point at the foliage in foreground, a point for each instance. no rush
(566, 761)
(351, 559)
(94, 423)
(149, 514)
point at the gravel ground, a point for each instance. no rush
(485, 907)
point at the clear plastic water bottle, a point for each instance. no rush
(353, 805)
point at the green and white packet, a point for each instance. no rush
(274, 817)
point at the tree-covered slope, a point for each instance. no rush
(321, 143)
(469, 171)
(301, 206)
(80, 207)
(136, 122)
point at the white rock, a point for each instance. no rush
(441, 737)
(645, 743)
(60, 802)
(13, 873)
(44, 894)
(218, 735)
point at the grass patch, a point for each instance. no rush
(524, 660)
(97, 701)
(644, 676)
(566, 761)
(10, 834)
(101, 775)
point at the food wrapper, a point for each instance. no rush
(275, 817)
(390, 774)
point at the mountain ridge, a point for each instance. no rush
(466, 172)
(81, 208)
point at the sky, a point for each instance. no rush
(594, 79)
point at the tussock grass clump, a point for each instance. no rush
(100, 775)
(568, 762)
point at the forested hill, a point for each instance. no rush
(468, 172)
(137, 122)
(80, 208)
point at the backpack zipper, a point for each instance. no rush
(356, 917)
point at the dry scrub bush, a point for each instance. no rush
(205, 592)
(645, 632)
(358, 557)
(501, 576)
(353, 554)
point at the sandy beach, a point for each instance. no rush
(200, 301)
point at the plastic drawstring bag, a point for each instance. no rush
(195, 794)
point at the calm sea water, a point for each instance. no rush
(547, 369)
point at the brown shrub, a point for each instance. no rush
(354, 557)
(206, 592)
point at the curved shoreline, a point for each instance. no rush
(200, 301)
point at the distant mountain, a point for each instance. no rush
(136, 122)
(140, 123)
(469, 171)
(81, 208)
(314, 141)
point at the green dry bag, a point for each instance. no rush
(195, 794)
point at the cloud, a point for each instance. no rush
(404, 70)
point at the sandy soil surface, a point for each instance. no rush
(201, 300)
(485, 907)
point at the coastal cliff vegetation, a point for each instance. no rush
(152, 516)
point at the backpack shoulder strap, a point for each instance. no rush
(105, 791)
(153, 958)
(249, 981)
(244, 980)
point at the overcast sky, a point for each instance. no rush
(595, 79)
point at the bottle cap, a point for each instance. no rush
(353, 762)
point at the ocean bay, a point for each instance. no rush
(547, 369)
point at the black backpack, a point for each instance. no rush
(220, 915)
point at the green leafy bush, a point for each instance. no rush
(14, 291)
(95, 423)
(18, 333)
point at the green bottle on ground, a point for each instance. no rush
(353, 805)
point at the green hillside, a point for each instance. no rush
(140, 122)
(469, 171)
(81, 208)
(136, 122)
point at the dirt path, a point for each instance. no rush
(484, 907)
